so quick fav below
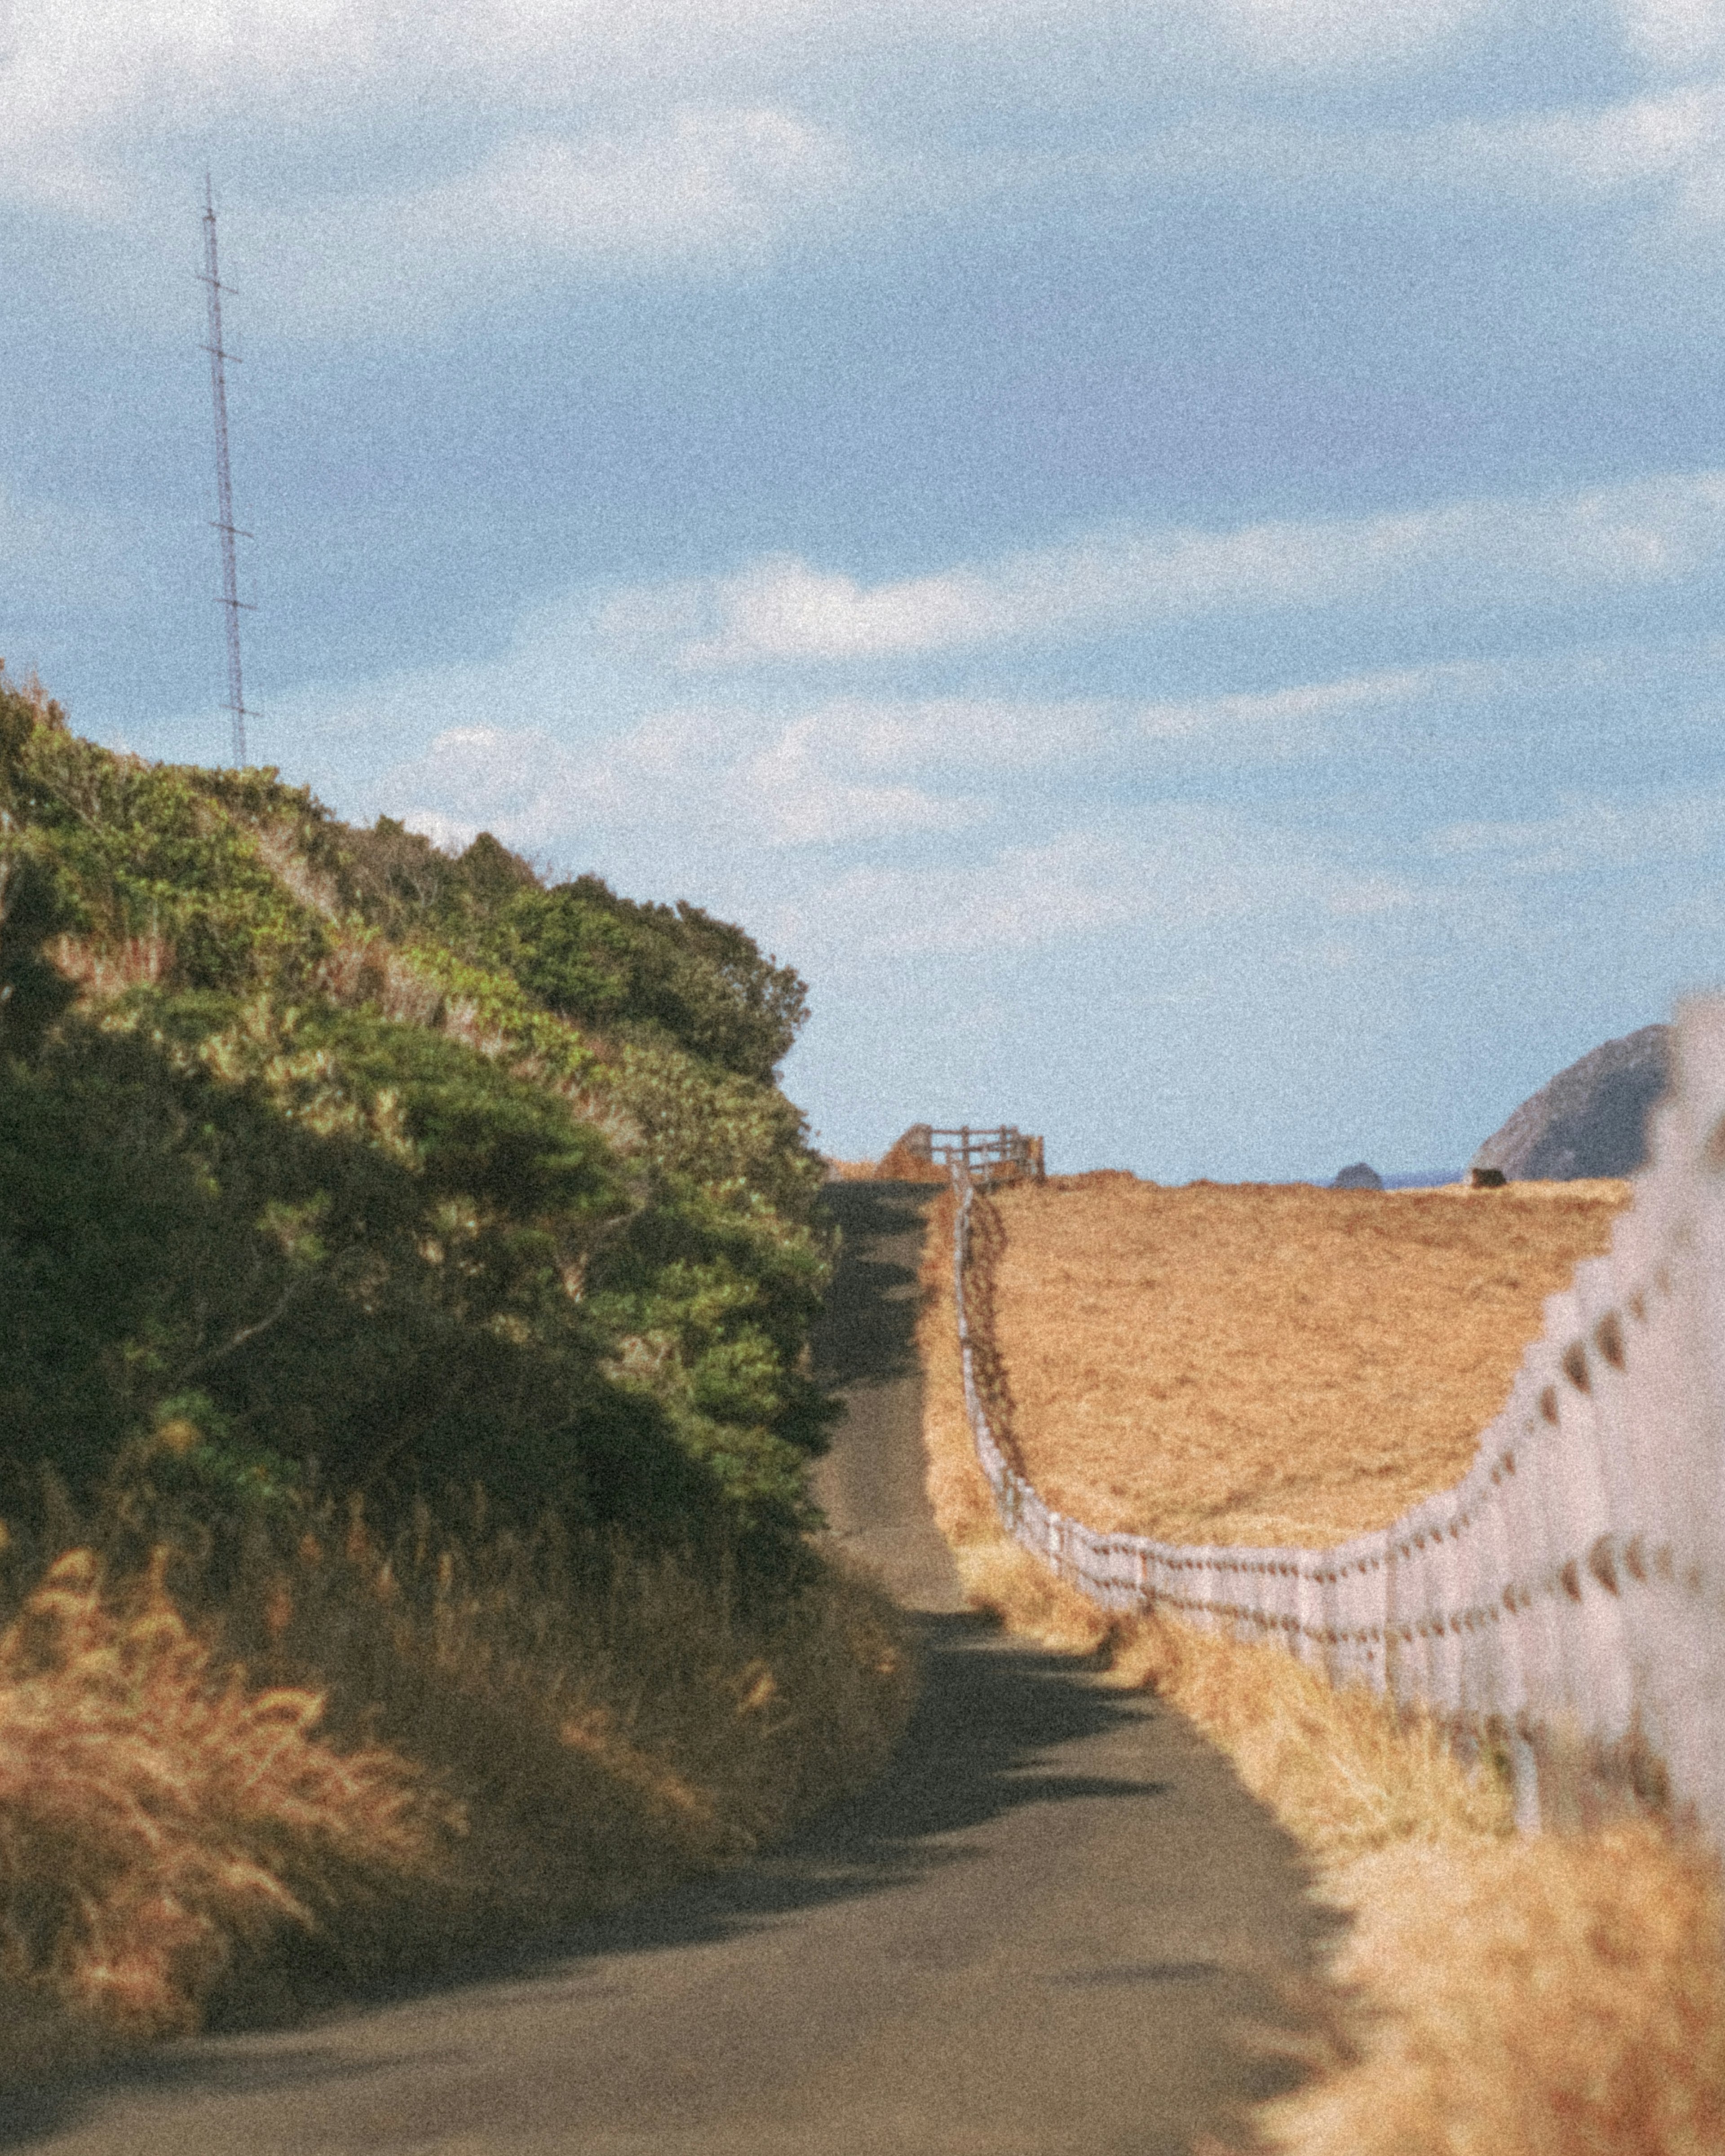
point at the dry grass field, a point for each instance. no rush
(1494, 1994)
(1268, 1363)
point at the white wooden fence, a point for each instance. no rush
(1563, 1604)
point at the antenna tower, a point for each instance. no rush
(232, 604)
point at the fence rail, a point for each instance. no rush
(984, 1154)
(1563, 1604)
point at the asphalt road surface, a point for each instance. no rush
(1048, 1929)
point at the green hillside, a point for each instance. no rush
(327, 1153)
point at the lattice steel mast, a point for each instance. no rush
(232, 604)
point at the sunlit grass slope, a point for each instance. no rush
(1268, 1363)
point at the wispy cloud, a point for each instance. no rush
(1590, 834)
(699, 187)
(974, 735)
(1677, 36)
(1301, 715)
(1346, 38)
(1489, 550)
(590, 759)
(713, 774)
(1665, 146)
(563, 94)
(781, 813)
(1184, 870)
(791, 786)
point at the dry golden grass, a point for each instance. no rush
(1338, 1767)
(156, 1813)
(244, 1779)
(611, 1720)
(107, 970)
(1493, 1996)
(1340, 1770)
(1268, 1363)
(996, 1574)
(1551, 1997)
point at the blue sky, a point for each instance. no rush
(1171, 558)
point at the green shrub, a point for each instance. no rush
(561, 1240)
(602, 960)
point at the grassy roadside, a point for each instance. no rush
(342, 1180)
(232, 1783)
(1493, 1996)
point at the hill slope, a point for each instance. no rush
(321, 1145)
(1590, 1119)
(406, 1275)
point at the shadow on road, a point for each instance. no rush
(868, 1334)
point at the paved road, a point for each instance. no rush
(870, 1485)
(1038, 1934)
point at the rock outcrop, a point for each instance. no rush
(1590, 1119)
(1359, 1177)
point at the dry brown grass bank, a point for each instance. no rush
(1493, 1996)
(158, 1815)
(1269, 1363)
(355, 1759)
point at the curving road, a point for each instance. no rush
(1040, 1932)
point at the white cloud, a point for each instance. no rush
(799, 800)
(702, 185)
(1023, 897)
(718, 775)
(784, 609)
(1176, 868)
(75, 68)
(974, 734)
(1502, 550)
(107, 96)
(1669, 145)
(1675, 36)
(1300, 715)
(523, 786)
(447, 832)
(75, 71)
(406, 148)
(573, 776)
(1665, 145)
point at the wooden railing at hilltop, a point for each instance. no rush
(1563, 1605)
(984, 1155)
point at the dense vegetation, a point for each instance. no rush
(406, 1271)
(355, 1160)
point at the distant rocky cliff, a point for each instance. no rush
(1590, 1119)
